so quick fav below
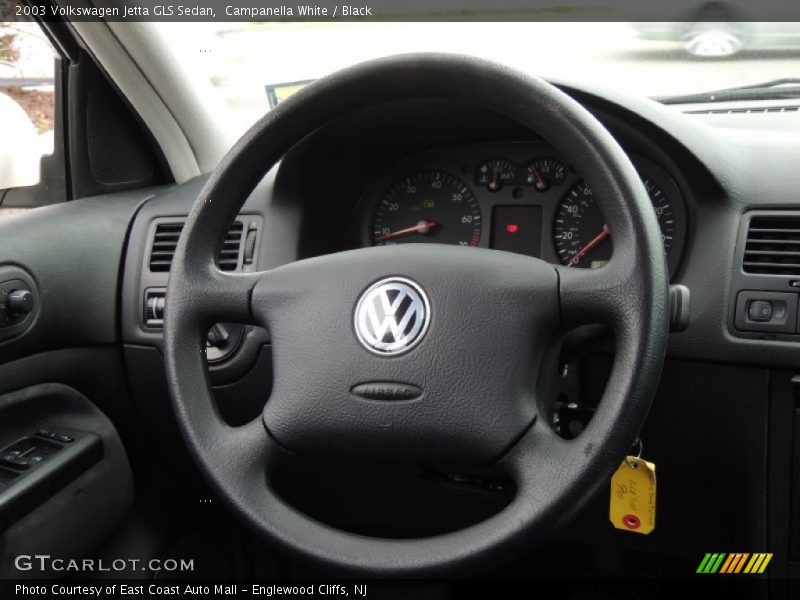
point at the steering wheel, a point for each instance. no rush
(401, 354)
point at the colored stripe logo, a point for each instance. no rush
(737, 562)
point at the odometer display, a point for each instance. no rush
(427, 206)
(580, 235)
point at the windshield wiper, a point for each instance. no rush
(776, 89)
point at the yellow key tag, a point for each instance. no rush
(633, 496)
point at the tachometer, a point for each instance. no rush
(427, 206)
(581, 236)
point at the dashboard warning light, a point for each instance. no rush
(512, 228)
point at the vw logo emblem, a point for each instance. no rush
(392, 316)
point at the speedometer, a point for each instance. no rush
(581, 236)
(427, 206)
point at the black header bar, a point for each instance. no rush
(400, 10)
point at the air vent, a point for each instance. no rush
(773, 245)
(165, 241)
(229, 253)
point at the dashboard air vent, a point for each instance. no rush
(165, 240)
(229, 253)
(773, 245)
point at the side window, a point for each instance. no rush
(27, 116)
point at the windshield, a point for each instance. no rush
(255, 65)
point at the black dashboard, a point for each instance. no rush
(442, 171)
(326, 196)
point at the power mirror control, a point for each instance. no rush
(16, 302)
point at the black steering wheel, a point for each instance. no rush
(452, 346)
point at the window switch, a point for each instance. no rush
(760, 310)
(10, 459)
(53, 435)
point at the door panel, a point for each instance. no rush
(67, 424)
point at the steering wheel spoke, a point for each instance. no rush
(247, 451)
(604, 295)
(535, 457)
(222, 297)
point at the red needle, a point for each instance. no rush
(421, 227)
(493, 182)
(597, 239)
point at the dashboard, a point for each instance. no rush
(517, 196)
(476, 178)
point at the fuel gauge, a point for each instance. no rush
(544, 173)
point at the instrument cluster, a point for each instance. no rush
(518, 196)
